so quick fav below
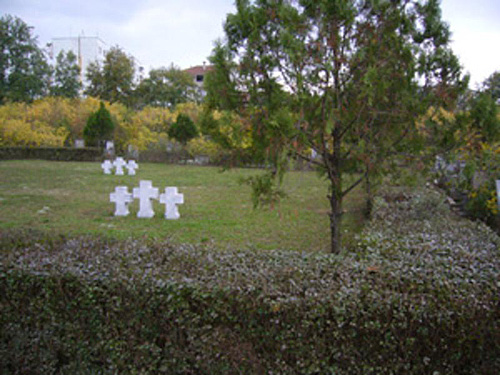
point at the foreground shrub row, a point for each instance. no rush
(421, 296)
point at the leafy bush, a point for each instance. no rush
(421, 296)
(45, 122)
(482, 197)
(99, 127)
(204, 146)
(476, 183)
(183, 129)
(265, 192)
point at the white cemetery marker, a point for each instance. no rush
(171, 198)
(119, 163)
(121, 197)
(131, 167)
(110, 146)
(107, 166)
(133, 151)
(145, 192)
(498, 194)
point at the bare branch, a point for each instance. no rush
(307, 159)
(349, 189)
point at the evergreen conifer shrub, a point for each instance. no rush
(100, 126)
(183, 130)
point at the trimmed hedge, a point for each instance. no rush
(419, 296)
(51, 153)
(162, 156)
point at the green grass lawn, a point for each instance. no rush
(73, 198)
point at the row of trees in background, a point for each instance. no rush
(26, 75)
(115, 81)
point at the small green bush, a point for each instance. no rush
(183, 130)
(100, 127)
(421, 296)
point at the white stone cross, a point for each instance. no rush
(121, 197)
(498, 194)
(171, 198)
(145, 192)
(107, 166)
(119, 163)
(131, 167)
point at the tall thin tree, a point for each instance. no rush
(346, 79)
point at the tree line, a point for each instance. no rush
(27, 75)
(59, 121)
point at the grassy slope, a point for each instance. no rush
(73, 198)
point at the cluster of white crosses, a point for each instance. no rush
(119, 164)
(145, 193)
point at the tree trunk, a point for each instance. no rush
(335, 222)
(369, 197)
(334, 165)
(336, 193)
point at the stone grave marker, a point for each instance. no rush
(171, 198)
(131, 167)
(145, 192)
(110, 148)
(121, 197)
(132, 152)
(201, 160)
(119, 163)
(107, 166)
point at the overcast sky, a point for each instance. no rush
(161, 32)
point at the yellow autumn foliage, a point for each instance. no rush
(235, 130)
(438, 116)
(157, 120)
(192, 110)
(204, 146)
(133, 132)
(16, 132)
(59, 121)
(42, 123)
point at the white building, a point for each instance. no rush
(87, 49)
